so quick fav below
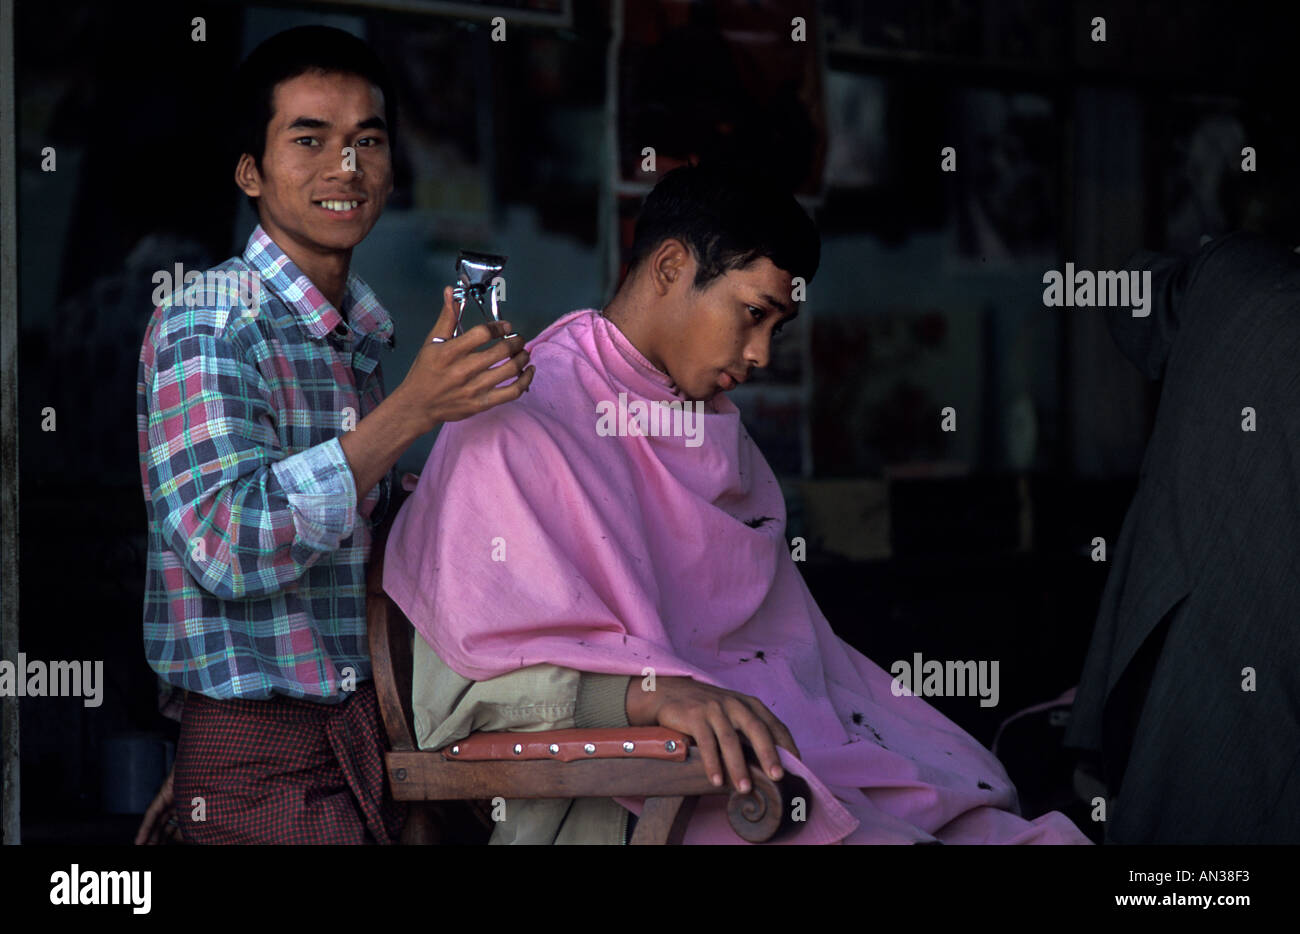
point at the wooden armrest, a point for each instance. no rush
(643, 742)
(759, 815)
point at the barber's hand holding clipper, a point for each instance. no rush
(447, 382)
(454, 380)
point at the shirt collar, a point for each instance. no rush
(318, 315)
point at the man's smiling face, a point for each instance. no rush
(306, 178)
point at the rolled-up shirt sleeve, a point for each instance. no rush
(244, 517)
(322, 494)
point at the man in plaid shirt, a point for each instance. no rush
(267, 449)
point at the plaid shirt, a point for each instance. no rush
(257, 544)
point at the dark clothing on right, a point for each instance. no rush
(1205, 580)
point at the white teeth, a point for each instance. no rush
(339, 205)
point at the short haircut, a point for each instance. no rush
(294, 52)
(728, 216)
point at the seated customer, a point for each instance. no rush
(559, 550)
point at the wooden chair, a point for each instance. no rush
(425, 777)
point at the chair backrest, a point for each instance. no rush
(389, 633)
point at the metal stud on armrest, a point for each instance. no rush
(570, 745)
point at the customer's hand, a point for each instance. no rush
(714, 718)
(160, 824)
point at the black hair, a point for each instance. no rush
(728, 216)
(289, 54)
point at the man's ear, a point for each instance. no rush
(247, 177)
(669, 264)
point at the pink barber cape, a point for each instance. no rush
(533, 539)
